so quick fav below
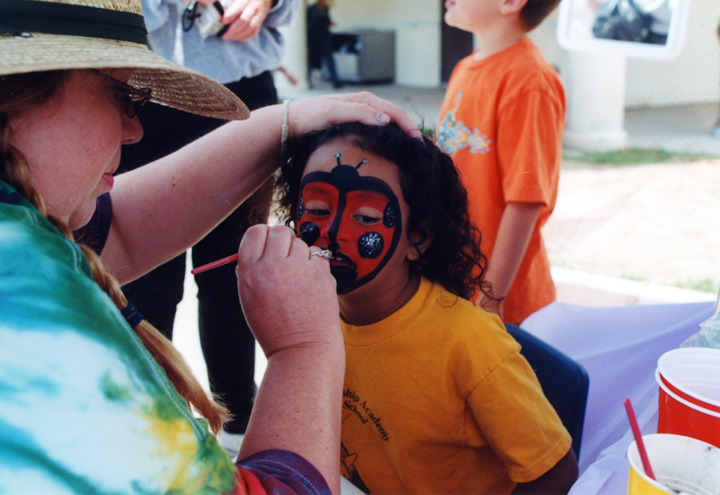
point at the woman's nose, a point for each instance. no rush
(132, 130)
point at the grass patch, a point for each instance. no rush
(705, 285)
(633, 156)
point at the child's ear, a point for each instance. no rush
(512, 6)
(420, 240)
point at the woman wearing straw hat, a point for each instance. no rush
(84, 407)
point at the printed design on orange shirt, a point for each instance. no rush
(354, 407)
(348, 469)
(454, 135)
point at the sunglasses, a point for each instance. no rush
(134, 98)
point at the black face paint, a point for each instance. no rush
(359, 251)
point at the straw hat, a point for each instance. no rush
(44, 35)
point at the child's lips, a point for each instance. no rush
(340, 260)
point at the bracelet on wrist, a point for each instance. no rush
(285, 127)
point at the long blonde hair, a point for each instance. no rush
(19, 92)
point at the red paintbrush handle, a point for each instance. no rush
(214, 264)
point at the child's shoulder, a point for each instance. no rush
(459, 313)
(477, 340)
(521, 65)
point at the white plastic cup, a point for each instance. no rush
(682, 465)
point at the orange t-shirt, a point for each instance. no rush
(502, 121)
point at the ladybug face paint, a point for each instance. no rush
(357, 217)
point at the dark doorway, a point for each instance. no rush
(455, 44)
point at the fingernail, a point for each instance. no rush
(382, 118)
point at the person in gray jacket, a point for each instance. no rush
(241, 57)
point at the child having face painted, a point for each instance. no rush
(437, 398)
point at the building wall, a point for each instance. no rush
(692, 77)
(417, 34)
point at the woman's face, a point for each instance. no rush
(353, 205)
(72, 143)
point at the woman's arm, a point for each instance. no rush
(289, 300)
(162, 209)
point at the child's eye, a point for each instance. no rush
(365, 220)
(367, 216)
(317, 212)
(317, 208)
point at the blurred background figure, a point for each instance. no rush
(319, 40)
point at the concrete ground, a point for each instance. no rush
(619, 235)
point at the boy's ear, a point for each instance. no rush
(419, 242)
(512, 6)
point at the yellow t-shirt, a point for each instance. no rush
(437, 399)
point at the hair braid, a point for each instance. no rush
(16, 172)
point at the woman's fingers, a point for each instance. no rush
(323, 111)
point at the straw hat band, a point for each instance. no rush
(28, 16)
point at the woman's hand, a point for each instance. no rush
(288, 295)
(320, 112)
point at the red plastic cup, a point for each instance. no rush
(682, 417)
(692, 373)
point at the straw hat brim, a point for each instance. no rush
(171, 85)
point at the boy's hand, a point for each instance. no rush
(491, 305)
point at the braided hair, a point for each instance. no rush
(20, 92)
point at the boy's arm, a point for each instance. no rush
(558, 480)
(516, 227)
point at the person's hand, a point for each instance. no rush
(288, 295)
(320, 112)
(245, 18)
(491, 305)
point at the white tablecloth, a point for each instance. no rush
(619, 347)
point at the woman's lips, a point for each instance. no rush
(109, 179)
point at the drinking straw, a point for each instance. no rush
(638, 439)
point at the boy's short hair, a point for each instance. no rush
(535, 11)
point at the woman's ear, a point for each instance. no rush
(420, 240)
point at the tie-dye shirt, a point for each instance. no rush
(84, 408)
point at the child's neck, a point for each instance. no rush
(501, 37)
(365, 307)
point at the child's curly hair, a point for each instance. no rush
(431, 187)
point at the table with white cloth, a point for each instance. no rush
(619, 347)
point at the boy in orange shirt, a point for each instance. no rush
(502, 121)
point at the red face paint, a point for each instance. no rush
(361, 245)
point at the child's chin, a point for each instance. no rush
(345, 278)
